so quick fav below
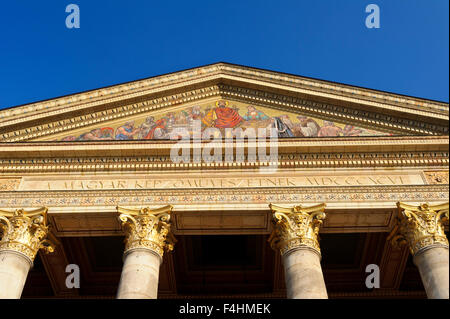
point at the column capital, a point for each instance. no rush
(420, 227)
(147, 229)
(296, 227)
(25, 232)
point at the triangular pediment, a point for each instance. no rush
(223, 96)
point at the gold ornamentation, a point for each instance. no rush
(149, 229)
(25, 232)
(296, 226)
(99, 163)
(9, 184)
(438, 177)
(420, 226)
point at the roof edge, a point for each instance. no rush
(229, 64)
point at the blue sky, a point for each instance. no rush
(121, 41)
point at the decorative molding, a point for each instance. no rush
(425, 193)
(9, 184)
(355, 93)
(436, 177)
(163, 162)
(298, 145)
(35, 157)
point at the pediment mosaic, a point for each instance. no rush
(221, 114)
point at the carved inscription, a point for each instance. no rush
(105, 183)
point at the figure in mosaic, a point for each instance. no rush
(69, 138)
(350, 130)
(254, 115)
(127, 131)
(97, 134)
(282, 129)
(224, 116)
(159, 131)
(146, 127)
(330, 129)
(307, 127)
(195, 113)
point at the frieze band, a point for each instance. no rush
(205, 196)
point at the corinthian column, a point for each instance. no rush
(23, 234)
(147, 236)
(421, 228)
(295, 236)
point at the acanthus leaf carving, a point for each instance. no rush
(420, 226)
(25, 232)
(296, 226)
(148, 229)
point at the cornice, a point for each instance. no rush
(117, 111)
(114, 93)
(163, 163)
(389, 144)
(163, 81)
(358, 94)
(301, 94)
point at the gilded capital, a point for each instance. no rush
(295, 227)
(420, 226)
(148, 229)
(25, 232)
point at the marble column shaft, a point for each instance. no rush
(421, 228)
(303, 272)
(140, 275)
(14, 269)
(432, 263)
(295, 236)
(147, 236)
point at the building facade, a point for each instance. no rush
(157, 188)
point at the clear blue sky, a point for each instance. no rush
(121, 41)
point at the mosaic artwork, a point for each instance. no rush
(223, 115)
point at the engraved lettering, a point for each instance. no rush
(291, 182)
(347, 180)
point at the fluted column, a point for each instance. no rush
(421, 228)
(295, 236)
(23, 234)
(147, 236)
